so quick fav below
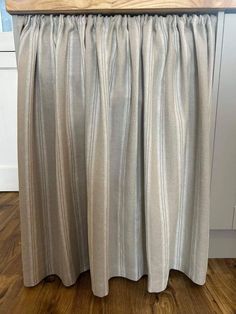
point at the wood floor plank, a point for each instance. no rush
(182, 296)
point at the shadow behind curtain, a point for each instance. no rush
(113, 142)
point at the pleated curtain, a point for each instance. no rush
(114, 145)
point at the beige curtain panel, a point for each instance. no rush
(113, 141)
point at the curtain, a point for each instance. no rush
(114, 145)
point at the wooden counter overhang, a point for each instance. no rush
(117, 6)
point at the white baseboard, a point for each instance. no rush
(9, 178)
(222, 244)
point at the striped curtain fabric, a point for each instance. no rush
(113, 142)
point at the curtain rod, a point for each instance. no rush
(117, 6)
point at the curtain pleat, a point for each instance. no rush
(113, 146)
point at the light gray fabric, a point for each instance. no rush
(113, 126)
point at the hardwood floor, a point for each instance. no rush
(218, 295)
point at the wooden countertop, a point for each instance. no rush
(117, 6)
